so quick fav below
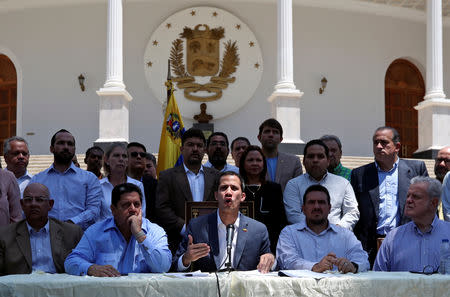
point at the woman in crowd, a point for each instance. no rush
(115, 163)
(266, 195)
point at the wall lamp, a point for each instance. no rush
(81, 82)
(323, 82)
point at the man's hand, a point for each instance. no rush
(135, 223)
(326, 263)
(194, 251)
(102, 270)
(344, 265)
(265, 263)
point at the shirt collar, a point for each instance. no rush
(393, 167)
(220, 223)
(31, 229)
(314, 180)
(188, 170)
(433, 226)
(302, 226)
(338, 167)
(72, 168)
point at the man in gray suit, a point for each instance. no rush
(36, 243)
(205, 246)
(281, 167)
(189, 182)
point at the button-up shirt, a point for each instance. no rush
(406, 248)
(446, 197)
(23, 182)
(344, 207)
(107, 188)
(77, 194)
(41, 250)
(104, 244)
(196, 183)
(301, 248)
(227, 167)
(272, 167)
(342, 171)
(388, 216)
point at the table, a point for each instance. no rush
(233, 284)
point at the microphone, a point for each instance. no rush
(230, 233)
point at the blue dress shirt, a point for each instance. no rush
(388, 216)
(77, 194)
(227, 167)
(107, 187)
(300, 248)
(446, 197)
(196, 183)
(406, 248)
(272, 167)
(41, 249)
(104, 244)
(23, 182)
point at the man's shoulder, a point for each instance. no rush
(256, 226)
(298, 180)
(413, 163)
(203, 219)
(363, 168)
(6, 174)
(67, 227)
(210, 171)
(287, 156)
(334, 178)
(10, 229)
(148, 225)
(171, 171)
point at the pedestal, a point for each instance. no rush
(113, 120)
(434, 127)
(286, 110)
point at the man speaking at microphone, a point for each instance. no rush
(211, 238)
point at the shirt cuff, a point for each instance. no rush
(180, 266)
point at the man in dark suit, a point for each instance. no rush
(205, 246)
(36, 243)
(188, 182)
(380, 188)
(281, 167)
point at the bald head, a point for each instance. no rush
(442, 164)
(36, 204)
(36, 189)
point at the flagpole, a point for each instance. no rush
(169, 82)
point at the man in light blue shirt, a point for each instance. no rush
(16, 154)
(415, 245)
(122, 244)
(217, 148)
(316, 244)
(77, 193)
(446, 197)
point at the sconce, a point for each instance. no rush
(323, 82)
(81, 82)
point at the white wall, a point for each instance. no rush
(353, 50)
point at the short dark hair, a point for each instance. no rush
(316, 142)
(226, 173)
(243, 172)
(121, 189)
(93, 148)
(193, 133)
(240, 138)
(316, 188)
(217, 134)
(395, 134)
(136, 144)
(151, 157)
(52, 141)
(332, 138)
(272, 123)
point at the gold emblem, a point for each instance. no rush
(202, 59)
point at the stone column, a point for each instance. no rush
(114, 98)
(285, 99)
(434, 111)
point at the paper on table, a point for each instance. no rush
(306, 273)
(197, 273)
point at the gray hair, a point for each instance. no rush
(7, 143)
(434, 186)
(332, 138)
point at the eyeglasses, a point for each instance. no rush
(38, 199)
(427, 270)
(140, 154)
(439, 160)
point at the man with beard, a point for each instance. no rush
(316, 244)
(94, 160)
(217, 150)
(335, 149)
(77, 193)
(16, 156)
(189, 182)
(344, 210)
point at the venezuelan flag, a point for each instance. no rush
(172, 130)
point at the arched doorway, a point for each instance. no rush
(8, 99)
(404, 89)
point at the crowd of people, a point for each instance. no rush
(118, 217)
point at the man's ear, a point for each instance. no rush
(242, 197)
(215, 195)
(52, 149)
(398, 146)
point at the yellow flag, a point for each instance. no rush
(170, 143)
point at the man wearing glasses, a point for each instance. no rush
(37, 242)
(415, 245)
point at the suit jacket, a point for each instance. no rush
(150, 185)
(288, 167)
(15, 247)
(172, 193)
(364, 181)
(252, 242)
